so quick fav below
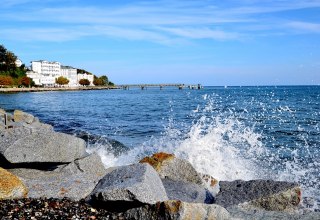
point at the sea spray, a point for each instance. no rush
(228, 144)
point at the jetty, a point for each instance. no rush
(161, 86)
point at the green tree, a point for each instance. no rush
(100, 81)
(62, 80)
(84, 82)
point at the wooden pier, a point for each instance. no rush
(161, 86)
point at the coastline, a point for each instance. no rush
(51, 174)
(13, 90)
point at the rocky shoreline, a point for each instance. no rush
(49, 175)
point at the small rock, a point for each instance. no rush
(20, 116)
(210, 183)
(11, 186)
(174, 209)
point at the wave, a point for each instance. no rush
(222, 145)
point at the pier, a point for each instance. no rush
(161, 86)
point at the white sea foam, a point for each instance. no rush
(223, 147)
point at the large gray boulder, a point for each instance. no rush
(127, 187)
(170, 167)
(187, 192)
(75, 180)
(178, 210)
(265, 194)
(26, 145)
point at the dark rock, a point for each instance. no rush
(266, 194)
(128, 186)
(187, 192)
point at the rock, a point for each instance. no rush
(127, 187)
(238, 212)
(11, 186)
(187, 192)
(265, 194)
(168, 166)
(178, 210)
(24, 145)
(20, 116)
(37, 126)
(75, 180)
(210, 183)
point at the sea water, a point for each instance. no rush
(227, 132)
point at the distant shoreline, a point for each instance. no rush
(41, 89)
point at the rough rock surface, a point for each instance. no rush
(239, 212)
(20, 116)
(75, 180)
(11, 186)
(23, 145)
(168, 166)
(266, 194)
(129, 186)
(187, 192)
(178, 210)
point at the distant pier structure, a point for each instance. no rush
(161, 86)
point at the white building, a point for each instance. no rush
(36, 77)
(71, 74)
(86, 76)
(49, 71)
(18, 63)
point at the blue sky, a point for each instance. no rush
(230, 42)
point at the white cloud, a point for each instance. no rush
(201, 33)
(163, 21)
(305, 26)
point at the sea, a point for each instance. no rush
(254, 132)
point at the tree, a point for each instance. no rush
(62, 80)
(26, 81)
(6, 81)
(101, 81)
(84, 82)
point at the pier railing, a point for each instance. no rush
(161, 86)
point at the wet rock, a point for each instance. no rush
(210, 183)
(75, 180)
(11, 186)
(20, 116)
(187, 192)
(265, 194)
(23, 145)
(168, 166)
(178, 210)
(127, 187)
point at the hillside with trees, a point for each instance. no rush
(10, 74)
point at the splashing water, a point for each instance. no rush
(222, 145)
